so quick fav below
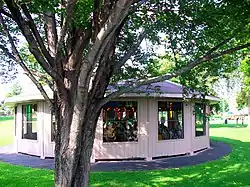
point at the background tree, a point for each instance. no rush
(220, 107)
(242, 96)
(84, 45)
(15, 89)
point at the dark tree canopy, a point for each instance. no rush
(189, 29)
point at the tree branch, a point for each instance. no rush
(77, 46)
(37, 35)
(182, 70)
(17, 17)
(129, 53)
(5, 13)
(108, 29)
(42, 77)
(51, 33)
(228, 51)
(22, 64)
(219, 45)
(69, 12)
(96, 13)
(104, 36)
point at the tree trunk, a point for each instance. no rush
(74, 143)
(78, 109)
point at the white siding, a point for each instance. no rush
(32, 147)
(176, 146)
(200, 142)
(147, 146)
(49, 146)
(119, 150)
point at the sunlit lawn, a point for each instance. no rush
(232, 170)
(6, 130)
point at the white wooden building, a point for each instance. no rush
(144, 125)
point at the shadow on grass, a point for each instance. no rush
(231, 170)
(228, 125)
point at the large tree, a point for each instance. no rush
(84, 45)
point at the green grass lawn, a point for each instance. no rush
(232, 170)
(6, 130)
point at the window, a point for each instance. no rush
(200, 119)
(170, 120)
(29, 121)
(120, 121)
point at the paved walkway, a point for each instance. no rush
(218, 150)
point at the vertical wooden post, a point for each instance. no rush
(145, 113)
(40, 121)
(16, 129)
(207, 124)
(152, 127)
(188, 126)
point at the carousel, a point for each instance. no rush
(143, 125)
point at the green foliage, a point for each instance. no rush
(245, 68)
(39, 6)
(220, 107)
(187, 29)
(16, 89)
(195, 30)
(242, 98)
(162, 65)
(35, 68)
(82, 14)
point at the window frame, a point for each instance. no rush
(182, 116)
(28, 135)
(137, 122)
(204, 120)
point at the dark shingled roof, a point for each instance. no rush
(163, 87)
(158, 87)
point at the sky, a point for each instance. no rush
(4, 89)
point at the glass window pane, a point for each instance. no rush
(29, 121)
(120, 121)
(200, 119)
(170, 120)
